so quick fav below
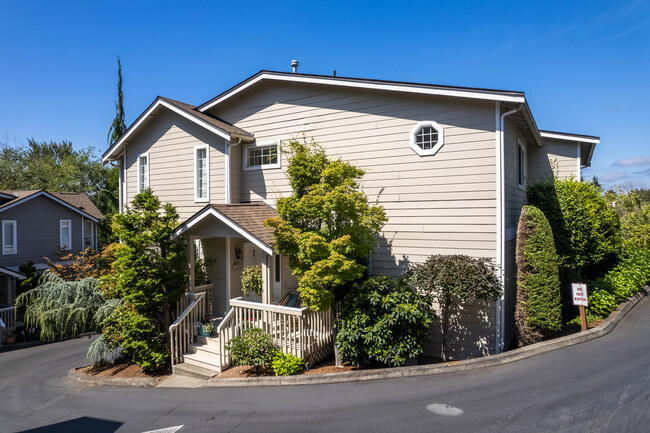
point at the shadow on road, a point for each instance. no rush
(83, 425)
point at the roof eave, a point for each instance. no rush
(503, 96)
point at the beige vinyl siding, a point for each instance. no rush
(562, 154)
(441, 204)
(38, 233)
(514, 200)
(169, 140)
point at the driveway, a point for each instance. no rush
(599, 386)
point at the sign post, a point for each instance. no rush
(580, 299)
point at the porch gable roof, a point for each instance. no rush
(245, 218)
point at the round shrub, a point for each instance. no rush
(286, 364)
(254, 347)
(539, 305)
(383, 320)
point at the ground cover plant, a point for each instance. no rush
(286, 364)
(384, 321)
(538, 309)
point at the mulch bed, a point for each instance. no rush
(121, 369)
(323, 367)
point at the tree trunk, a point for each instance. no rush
(445, 325)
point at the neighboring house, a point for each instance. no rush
(37, 224)
(449, 164)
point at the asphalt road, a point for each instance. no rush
(599, 386)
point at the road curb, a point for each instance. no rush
(451, 367)
(137, 382)
(396, 372)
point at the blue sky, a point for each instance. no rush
(584, 66)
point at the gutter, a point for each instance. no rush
(500, 137)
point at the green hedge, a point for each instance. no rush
(632, 273)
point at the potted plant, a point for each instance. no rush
(251, 280)
(206, 327)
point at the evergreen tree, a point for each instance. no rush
(539, 305)
(117, 127)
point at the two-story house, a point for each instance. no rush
(36, 224)
(449, 164)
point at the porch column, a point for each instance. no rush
(267, 279)
(228, 273)
(190, 263)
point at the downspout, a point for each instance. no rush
(500, 148)
(228, 145)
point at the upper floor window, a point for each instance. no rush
(201, 174)
(521, 165)
(262, 157)
(65, 234)
(143, 172)
(9, 237)
(427, 138)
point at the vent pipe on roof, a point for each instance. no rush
(294, 65)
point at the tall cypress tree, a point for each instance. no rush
(117, 127)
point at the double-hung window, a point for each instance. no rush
(201, 174)
(65, 234)
(143, 172)
(9, 237)
(264, 156)
(521, 165)
(89, 234)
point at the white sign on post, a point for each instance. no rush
(579, 294)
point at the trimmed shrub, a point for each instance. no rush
(627, 278)
(383, 320)
(539, 306)
(455, 279)
(254, 347)
(286, 364)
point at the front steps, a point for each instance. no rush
(202, 361)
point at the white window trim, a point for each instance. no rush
(441, 138)
(142, 187)
(61, 244)
(205, 199)
(246, 148)
(521, 148)
(6, 251)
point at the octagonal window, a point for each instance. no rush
(426, 138)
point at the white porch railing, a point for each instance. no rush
(299, 331)
(183, 331)
(182, 304)
(8, 317)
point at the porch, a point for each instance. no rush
(222, 240)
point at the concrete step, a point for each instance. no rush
(208, 341)
(190, 370)
(205, 349)
(201, 359)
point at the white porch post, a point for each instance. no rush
(267, 279)
(228, 273)
(190, 262)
